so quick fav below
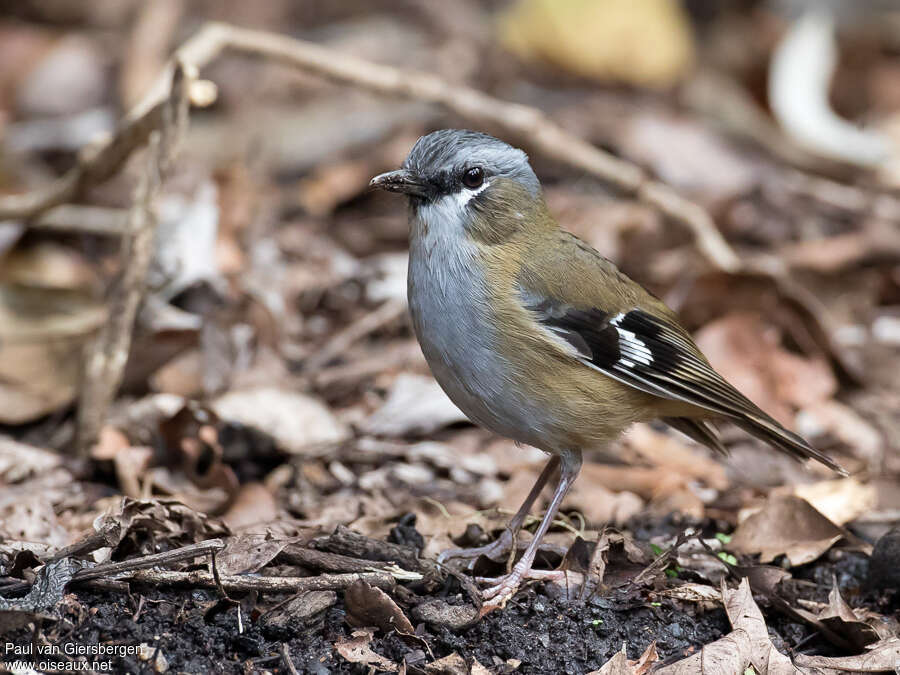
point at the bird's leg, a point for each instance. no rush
(502, 546)
(506, 586)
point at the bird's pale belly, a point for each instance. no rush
(449, 314)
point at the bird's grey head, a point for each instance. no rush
(456, 167)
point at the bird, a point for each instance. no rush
(537, 337)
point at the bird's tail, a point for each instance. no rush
(767, 429)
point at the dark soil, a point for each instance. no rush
(542, 633)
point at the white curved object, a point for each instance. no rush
(799, 77)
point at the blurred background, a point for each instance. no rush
(273, 376)
(272, 380)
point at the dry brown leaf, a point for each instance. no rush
(840, 500)
(248, 553)
(167, 520)
(745, 615)
(846, 425)
(182, 376)
(880, 657)
(748, 353)
(19, 461)
(845, 627)
(131, 465)
(600, 506)
(42, 337)
(454, 664)
(620, 664)
(416, 404)
(31, 517)
(356, 649)
(297, 422)
(664, 450)
(748, 643)
(441, 523)
(689, 156)
(790, 526)
(649, 483)
(617, 665)
(110, 442)
(370, 606)
(701, 594)
(729, 655)
(253, 507)
(213, 499)
(645, 661)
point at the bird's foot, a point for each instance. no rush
(501, 589)
(498, 550)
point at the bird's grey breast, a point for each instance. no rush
(451, 310)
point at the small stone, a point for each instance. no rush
(439, 613)
(884, 566)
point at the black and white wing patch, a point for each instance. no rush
(657, 356)
(644, 352)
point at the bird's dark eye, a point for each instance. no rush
(473, 177)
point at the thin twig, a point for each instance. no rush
(108, 353)
(96, 220)
(286, 659)
(244, 583)
(153, 560)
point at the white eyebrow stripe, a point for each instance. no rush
(466, 195)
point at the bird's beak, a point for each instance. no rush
(402, 180)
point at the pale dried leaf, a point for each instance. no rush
(744, 614)
(356, 649)
(297, 422)
(19, 461)
(747, 351)
(248, 553)
(790, 526)
(370, 606)
(844, 424)
(689, 156)
(841, 500)
(186, 241)
(253, 507)
(701, 594)
(42, 338)
(880, 657)
(416, 404)
(617, 665)
(454, 664)
(729, 655)
(668, 451)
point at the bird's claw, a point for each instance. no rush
(501, 589)
(498, 550)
